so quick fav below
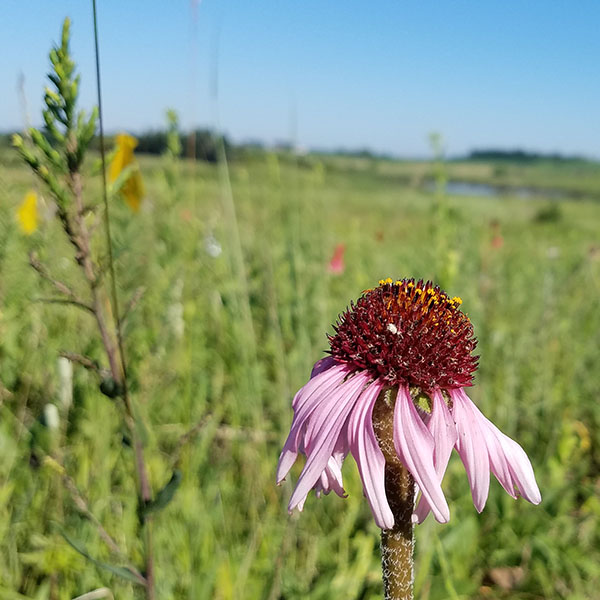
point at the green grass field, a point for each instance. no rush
(221, 343)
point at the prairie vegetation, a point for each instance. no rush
(227, 285)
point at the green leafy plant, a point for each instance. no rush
(56, 156)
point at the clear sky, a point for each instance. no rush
(327, 73)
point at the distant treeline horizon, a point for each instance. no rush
(205, 144)
(518, 155)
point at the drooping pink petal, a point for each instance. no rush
(318, 389)
(521, 470)
(313, 394)
(510, 464)
(443, 430)
(498, 462)
(368, 455)
(331, 478)
(326, 424)
(340, 451)
(471, 446)
(318, 379)
(322, 365)
(415, 447)
(322, 486)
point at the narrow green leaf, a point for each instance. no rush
(164, 496)
(123, 572)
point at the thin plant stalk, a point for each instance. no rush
(118, 366)
(397, 543)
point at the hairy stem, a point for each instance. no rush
(397, 543)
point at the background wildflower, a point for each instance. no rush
(27, 213)
(336, 264)
(133, 186)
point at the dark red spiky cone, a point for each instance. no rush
(408, 332)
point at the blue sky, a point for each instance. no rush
(381, 74)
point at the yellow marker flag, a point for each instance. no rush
(27, 213)
(133, 189)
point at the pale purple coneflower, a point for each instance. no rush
(407, 344)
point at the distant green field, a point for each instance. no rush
(577, 179)
(235, 310)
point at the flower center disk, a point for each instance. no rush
(407, 332)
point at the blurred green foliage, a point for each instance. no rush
(198, 366)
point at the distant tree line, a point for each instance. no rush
(201, 144)
(205, 145)
(520, 156)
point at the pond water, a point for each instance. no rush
(487, 190)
